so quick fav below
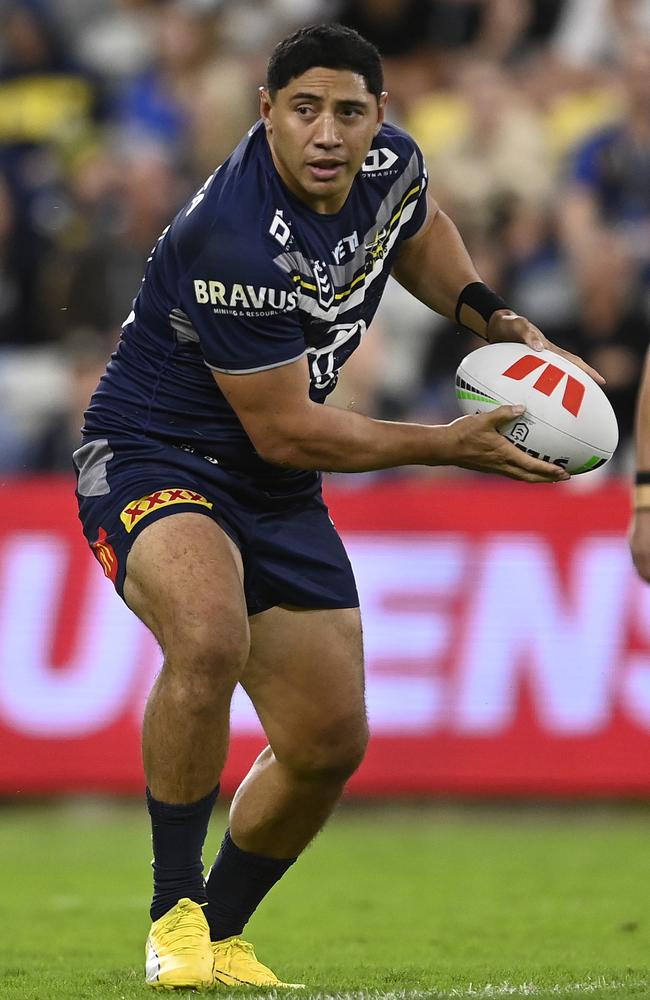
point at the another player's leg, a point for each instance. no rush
(305, 678)
(184, 580)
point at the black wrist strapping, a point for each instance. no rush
(475, 305)
(642, 478)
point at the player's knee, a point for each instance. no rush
(333, 753)
(205, 663)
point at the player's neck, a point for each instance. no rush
(322, 205)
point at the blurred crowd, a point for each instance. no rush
(533, 115)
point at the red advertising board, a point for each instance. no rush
(507, 644)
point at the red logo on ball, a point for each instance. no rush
(548, 380)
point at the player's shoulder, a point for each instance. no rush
(393, 151)
(222, 219)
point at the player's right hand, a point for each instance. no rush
(475, 443)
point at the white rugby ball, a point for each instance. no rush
(568, 418)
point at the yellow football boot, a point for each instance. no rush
(178, 951)
(236, 964)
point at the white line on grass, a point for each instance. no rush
(489, 990)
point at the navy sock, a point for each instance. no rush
(177, 834)
(237, 884)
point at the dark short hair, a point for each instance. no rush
(330, 45)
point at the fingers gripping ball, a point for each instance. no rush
(568, 419)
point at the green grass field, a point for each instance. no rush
(396, 902)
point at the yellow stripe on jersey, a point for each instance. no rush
(343, 294)
(398, 213)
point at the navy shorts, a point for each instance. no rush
(290, 550)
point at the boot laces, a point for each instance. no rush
(184, 932)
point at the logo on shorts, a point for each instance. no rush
(105, 554)
(137, 509)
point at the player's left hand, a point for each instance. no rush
(509, 328)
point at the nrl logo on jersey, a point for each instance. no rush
(324, 286)
(246, 298)
(380, 161)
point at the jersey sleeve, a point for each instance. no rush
(242, 306)
(416, 190)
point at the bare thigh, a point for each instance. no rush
(184, 580)
(305, 677)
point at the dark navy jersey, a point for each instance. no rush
(247, 278)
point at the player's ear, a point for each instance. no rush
(265, 107)
(381, 110)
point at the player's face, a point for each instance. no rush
(320, 128)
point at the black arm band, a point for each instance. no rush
(475, 305)
(642, 478)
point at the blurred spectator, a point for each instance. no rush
(497, 168)
(574, 79)
(14, 449)
(33, 383)
(19, 274)
(252, 27)
(498, 179)
(579, 33)
(593, 31)
(131, 199)
(195, 99)
(492, 28)
(117, 42)
(497, 30)
(407, 329)
(610, 329)
(606, 202)
(85, 353)
(397, 27)
(48, 104)
(401, 30)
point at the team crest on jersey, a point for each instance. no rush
(376, 249)
(324, 286)
(137, 509)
